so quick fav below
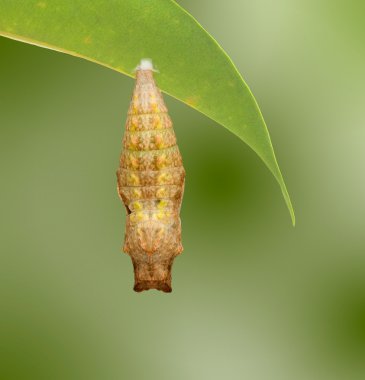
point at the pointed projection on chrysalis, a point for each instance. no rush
(151, 184)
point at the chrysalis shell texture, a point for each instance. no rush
(151, 180)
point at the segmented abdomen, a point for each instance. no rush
(151, 184)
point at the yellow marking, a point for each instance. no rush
(138, 217)
(192, 100)
(135, 104)
(134, 179)
(155, 108)
(41, 4)
(87, 40)
(137, 206)
(152, 98)
(161, 192)
(159, 142)
(137, 193)
(134, 163)
(133, 142)
(161, 161)
(163, 178)
(161, 215)
(157, 122)
(158, 215)
(162, 204)
(134, 124)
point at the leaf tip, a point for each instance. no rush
(288, 203)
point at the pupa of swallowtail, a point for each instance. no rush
(151, 181)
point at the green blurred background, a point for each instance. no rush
(253, 297)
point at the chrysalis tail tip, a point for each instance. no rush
(164, 286)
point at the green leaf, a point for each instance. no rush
(118, 33)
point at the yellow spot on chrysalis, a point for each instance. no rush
(157, 122)
(135, 104)
(161, 161)
(133, 179)
(137, 193)
(139, 216)
(161, 215)
(161, 192)
(139, 232)
(158, 215)
(137, 206)
(154, 107)
(162, 204)
(133, 143)
(134, 163)
(164, 178)
(159, 142)
(134, 124)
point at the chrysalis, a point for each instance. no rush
(151, 185)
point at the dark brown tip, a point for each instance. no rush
(164, 286)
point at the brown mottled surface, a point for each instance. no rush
(151, 185)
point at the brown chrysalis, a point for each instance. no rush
(151, 184)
